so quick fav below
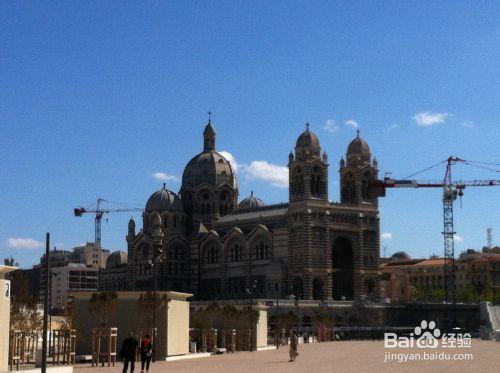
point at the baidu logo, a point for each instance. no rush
(426, 335)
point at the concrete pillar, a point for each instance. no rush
(5, 290)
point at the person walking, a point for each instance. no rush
(294, 342)
(146, 353)
(128, 351)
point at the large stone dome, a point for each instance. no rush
(116, 259)
(251, 202)
(164, 200)
(210, 167)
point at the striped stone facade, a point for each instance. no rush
(309, 247)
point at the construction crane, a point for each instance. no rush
(99, 213)
(451, 190)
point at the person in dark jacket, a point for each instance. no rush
(146, 353)
(128, 351)
(294, 343)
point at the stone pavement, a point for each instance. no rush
(351, 356)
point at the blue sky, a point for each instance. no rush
(98, 96)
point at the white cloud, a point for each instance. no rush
(394, 126)
(468, 124)
(352, 123)
(162, 176)
(428, 119)
(24, 243)
(331, 126)
(457, 238)
(263, 170)
(386, 236)
(231, 159)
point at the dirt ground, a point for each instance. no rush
(352, 356)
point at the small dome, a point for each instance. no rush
(117, 259)
(399, 256)
(358, 146)
(307, 140)
(164, 200)
(209, 129)
(251, 202)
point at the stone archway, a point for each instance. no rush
(343, 269)
(318, 289)
(298, 287)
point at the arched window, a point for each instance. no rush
(316, 182)
(212, 254)
(365, 189)
(348, 189)
(261, 250)
(235, 252)
(298, 181)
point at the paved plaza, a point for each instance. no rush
(352, 356)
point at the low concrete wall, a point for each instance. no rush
(172, 322)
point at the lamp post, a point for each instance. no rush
(250, 291)
(157, 235)
(50, 348)
(46, 303)
(154, 265)
(277, 318)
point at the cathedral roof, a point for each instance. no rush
(164, 200)
(358, 146)
(277, 211)
(251, 202)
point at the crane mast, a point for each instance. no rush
(451, 190)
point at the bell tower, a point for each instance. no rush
(357, 171)
(308, 169)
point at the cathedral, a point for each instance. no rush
(203, 241)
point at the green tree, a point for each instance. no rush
(24, 315)
(465, 295)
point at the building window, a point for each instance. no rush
(212, 254)
(262, 251)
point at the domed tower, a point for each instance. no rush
(164, 212)
(209, 187)
(357, 172)
(308, 169)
